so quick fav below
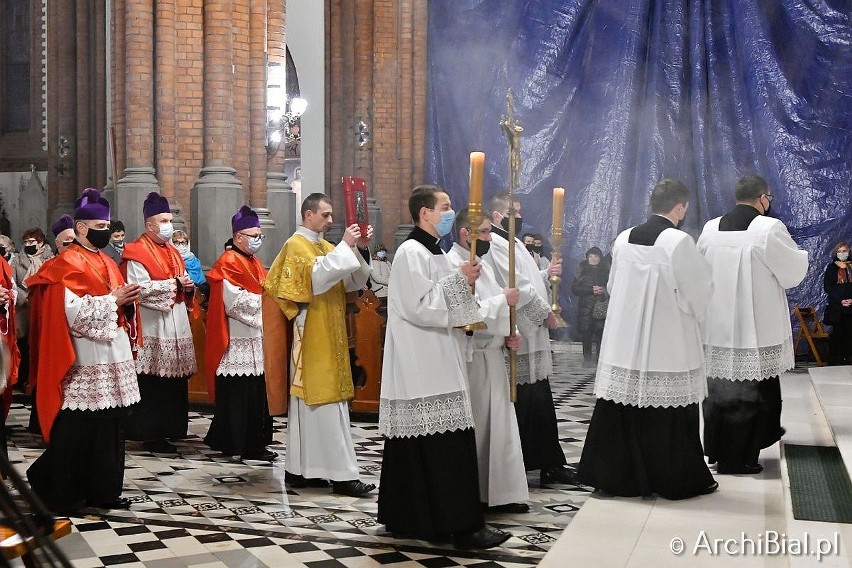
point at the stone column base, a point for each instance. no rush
(215, 197)
(401, 234)
(130, 194)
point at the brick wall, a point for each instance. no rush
(376, 72)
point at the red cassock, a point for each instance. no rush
(10, 336)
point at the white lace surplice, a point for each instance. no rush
(244, 355)
(535, 361)
(103, 374)
(651, 352)
(423, 388)
(747, 332)
(167, 349)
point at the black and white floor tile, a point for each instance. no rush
(203, 509)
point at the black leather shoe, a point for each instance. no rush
(733, 469)
(351, 488)
(558, 475)
(486, 537)
(265, 455)
(120, 503)
(710, 488)
(516, 508)
(299, 482)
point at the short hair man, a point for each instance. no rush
(748, 341)
(643, 437)
(63, 232)
(429, 487)
(309, 280)
(116, 241)
(534, 405)
(166, 358)
(502, 477)
(82, 400)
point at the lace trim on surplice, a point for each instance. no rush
(97, 318)
(244, 356)
(749, 364)
(97, 387)
(166, 357)
(661, 389)
(423, 416)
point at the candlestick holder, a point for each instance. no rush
(474, 220)
(556, 240)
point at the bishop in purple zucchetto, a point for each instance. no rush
(62, 224)
(91, 206)
(245, 218)
(154, 205)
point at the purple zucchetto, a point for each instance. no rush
(91, 206)
(155, 204)
(245, 218)
(62, 224)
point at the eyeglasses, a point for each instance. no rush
(260, 236)
(178, 243)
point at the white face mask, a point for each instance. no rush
(254, 244)
(183, 250)
(166, 231)
(843, 255)
(381, 255)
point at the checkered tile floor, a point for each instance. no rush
(202, 509)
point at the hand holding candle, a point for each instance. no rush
(558, 205)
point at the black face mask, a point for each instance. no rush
(482, 247)
(30, 249)
(519, 222)
(98, 237)
(530, 247)
(539, 249)
(766, 211)
(3, 252)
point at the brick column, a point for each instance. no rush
(217, 192)
(139, 175)
(164, 97)
(257, 104)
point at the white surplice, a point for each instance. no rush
(244, 354)
(423, 387)
(533, 307)
(319, 441)
(747, 332)
(651, 350)
(167, 349)
(502, 477)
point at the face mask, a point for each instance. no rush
(530, 248)
(445, 225)
(166, 231)
(30, 249)
(183, 250)
(538, 249)
(766, 212)
(3, 252)
(519, 223)
(842, 256)
(482, 247)
(98, 237)
(381, 255)
(255, 244)
(66, 244)
(118, 245)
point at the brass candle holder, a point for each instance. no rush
(556, 240)
(475, 219)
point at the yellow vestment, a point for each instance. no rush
(320, 368)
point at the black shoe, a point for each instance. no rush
(781, 432)
(733, 469)
(352, 488)
(709, 489)
(603, 494)
(159, 447)
(559, 475)
(486, 537)
(298, 482)
(265, 456)
(120, 503)
(516, 508)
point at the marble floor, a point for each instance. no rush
(202, 509)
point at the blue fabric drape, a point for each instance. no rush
(616, 94)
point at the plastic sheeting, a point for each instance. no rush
(616, 94)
